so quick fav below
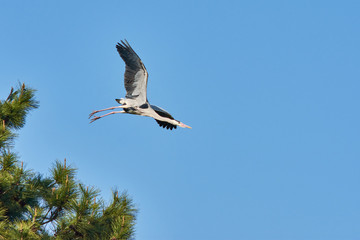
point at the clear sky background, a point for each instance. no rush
(271, 89)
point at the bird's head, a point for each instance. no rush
(183, 125)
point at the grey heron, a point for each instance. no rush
(135, 101)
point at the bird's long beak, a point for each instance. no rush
(184, 125)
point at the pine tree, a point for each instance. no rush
(56, 207)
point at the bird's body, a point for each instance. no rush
(135, 101)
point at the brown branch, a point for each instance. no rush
(11, 92)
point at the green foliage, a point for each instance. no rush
(14, 109)
(56, 207)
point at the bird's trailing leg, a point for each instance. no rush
(111, 108)
(96, 118)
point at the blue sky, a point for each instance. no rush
(271, 89)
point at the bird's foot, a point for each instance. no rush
(91, 114)
(94, 119)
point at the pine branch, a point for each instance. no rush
(14, 109)
(30, 203)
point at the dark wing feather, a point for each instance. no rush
(161, 112)
(135, 77)
(166, 125)
(164, 114)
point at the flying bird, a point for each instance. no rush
(135, 101)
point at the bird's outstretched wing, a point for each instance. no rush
(164, 114)
(165, 124)
(135, 77)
